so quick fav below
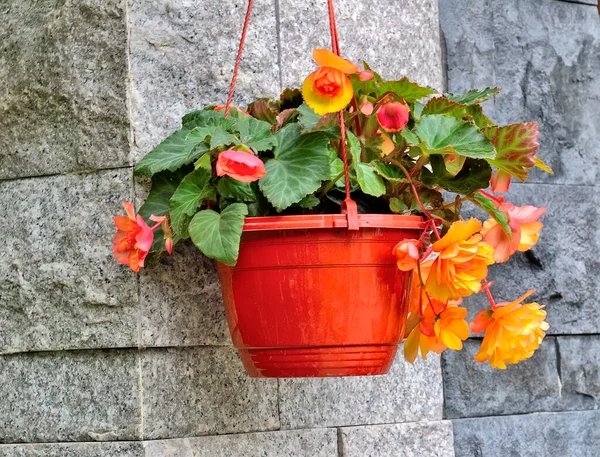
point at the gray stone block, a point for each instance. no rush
(301, 443)
(202, 391)
(431, 439)
(181, 301)
(563, 266)
(122, 449)
(182, 55)
(407, 393)
(70, 396)
(580, 371)
(402, 41)
(544, 55)
(59, 284)
(476, 389)
(63, 73)
(575, 434)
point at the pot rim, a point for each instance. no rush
(324, 221)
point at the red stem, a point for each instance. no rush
(491, 197)
(486, 287)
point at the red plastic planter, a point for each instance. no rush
(308, 297)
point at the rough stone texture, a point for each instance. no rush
(73, 450)
(182, 54)
(431, 439)
(63, 72)
(574, 434)
(403, 40)
(475, 389)
(304, 443)
(69, 396)
(59, 285)
(580, 371)
(202, 391)
(407, 393)
(563, 266)
(544, 55)
(181, 301)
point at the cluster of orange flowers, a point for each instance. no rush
(455, 266)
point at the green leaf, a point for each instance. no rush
(474, 96)
(236, 190)
(489, 207)
(398, 206)
(389, 172)
(198, 135)
(418, 110)
(409, 136)
(205, 117)
(218, 235)
(479, 119)
(186, 200)
(475, 175)
(516, 146)
(542, 165)
(254, 133)
(354, 148)
(368, 179)
(264, 110)
(408, 90)
(308, 118)
(443, 134)
(204, 162)
(290, 99)
(442, 105)
(299, 165)
(163, 186)
(309, 202)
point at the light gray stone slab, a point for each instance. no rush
(407, 393)
(563, 266)
(431, 439)
(182, 54)
(203, 391)
(181, 301)
(301, 443)
(63, 72)
(70, 396)
(476, 389)
(123, 449)
(580, 371)
(59, 284)
(544, 56)
(532, 435)
(395, 38)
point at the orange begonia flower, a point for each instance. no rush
(512, 332)
(461, 263)
(407, 254)
(133, 239)
(329, 89)
(239, 165)
(451, 328)
(524, 227)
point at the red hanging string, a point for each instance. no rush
(238, 59)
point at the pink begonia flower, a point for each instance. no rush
(365, 106)
(133, 239)
(365, 75)
(407, 254)
(393, 116)
(523, 222)
(500, 182)
(240, 165)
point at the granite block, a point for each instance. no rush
(431, 439)
(407, 393)
(580, 371)
(181, 301)
(395, 38)
(202, 391)
(59, 284)
(70, 396)
(564, 264)
(63, 73)
(574, 434)
(476, 389)
(301, 443)
(123, 449)
(182, 54)
(544, 56)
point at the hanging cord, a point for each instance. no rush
(348, 206)
(238, 58)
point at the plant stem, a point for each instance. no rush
(497, 200)
(330, 185)
(416, 194)
(486, 287)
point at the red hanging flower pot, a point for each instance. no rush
(308, 297)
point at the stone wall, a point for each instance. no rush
(545, 56)
(97, 361)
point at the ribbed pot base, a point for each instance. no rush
(318, 362)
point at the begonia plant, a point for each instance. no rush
(411, 152)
